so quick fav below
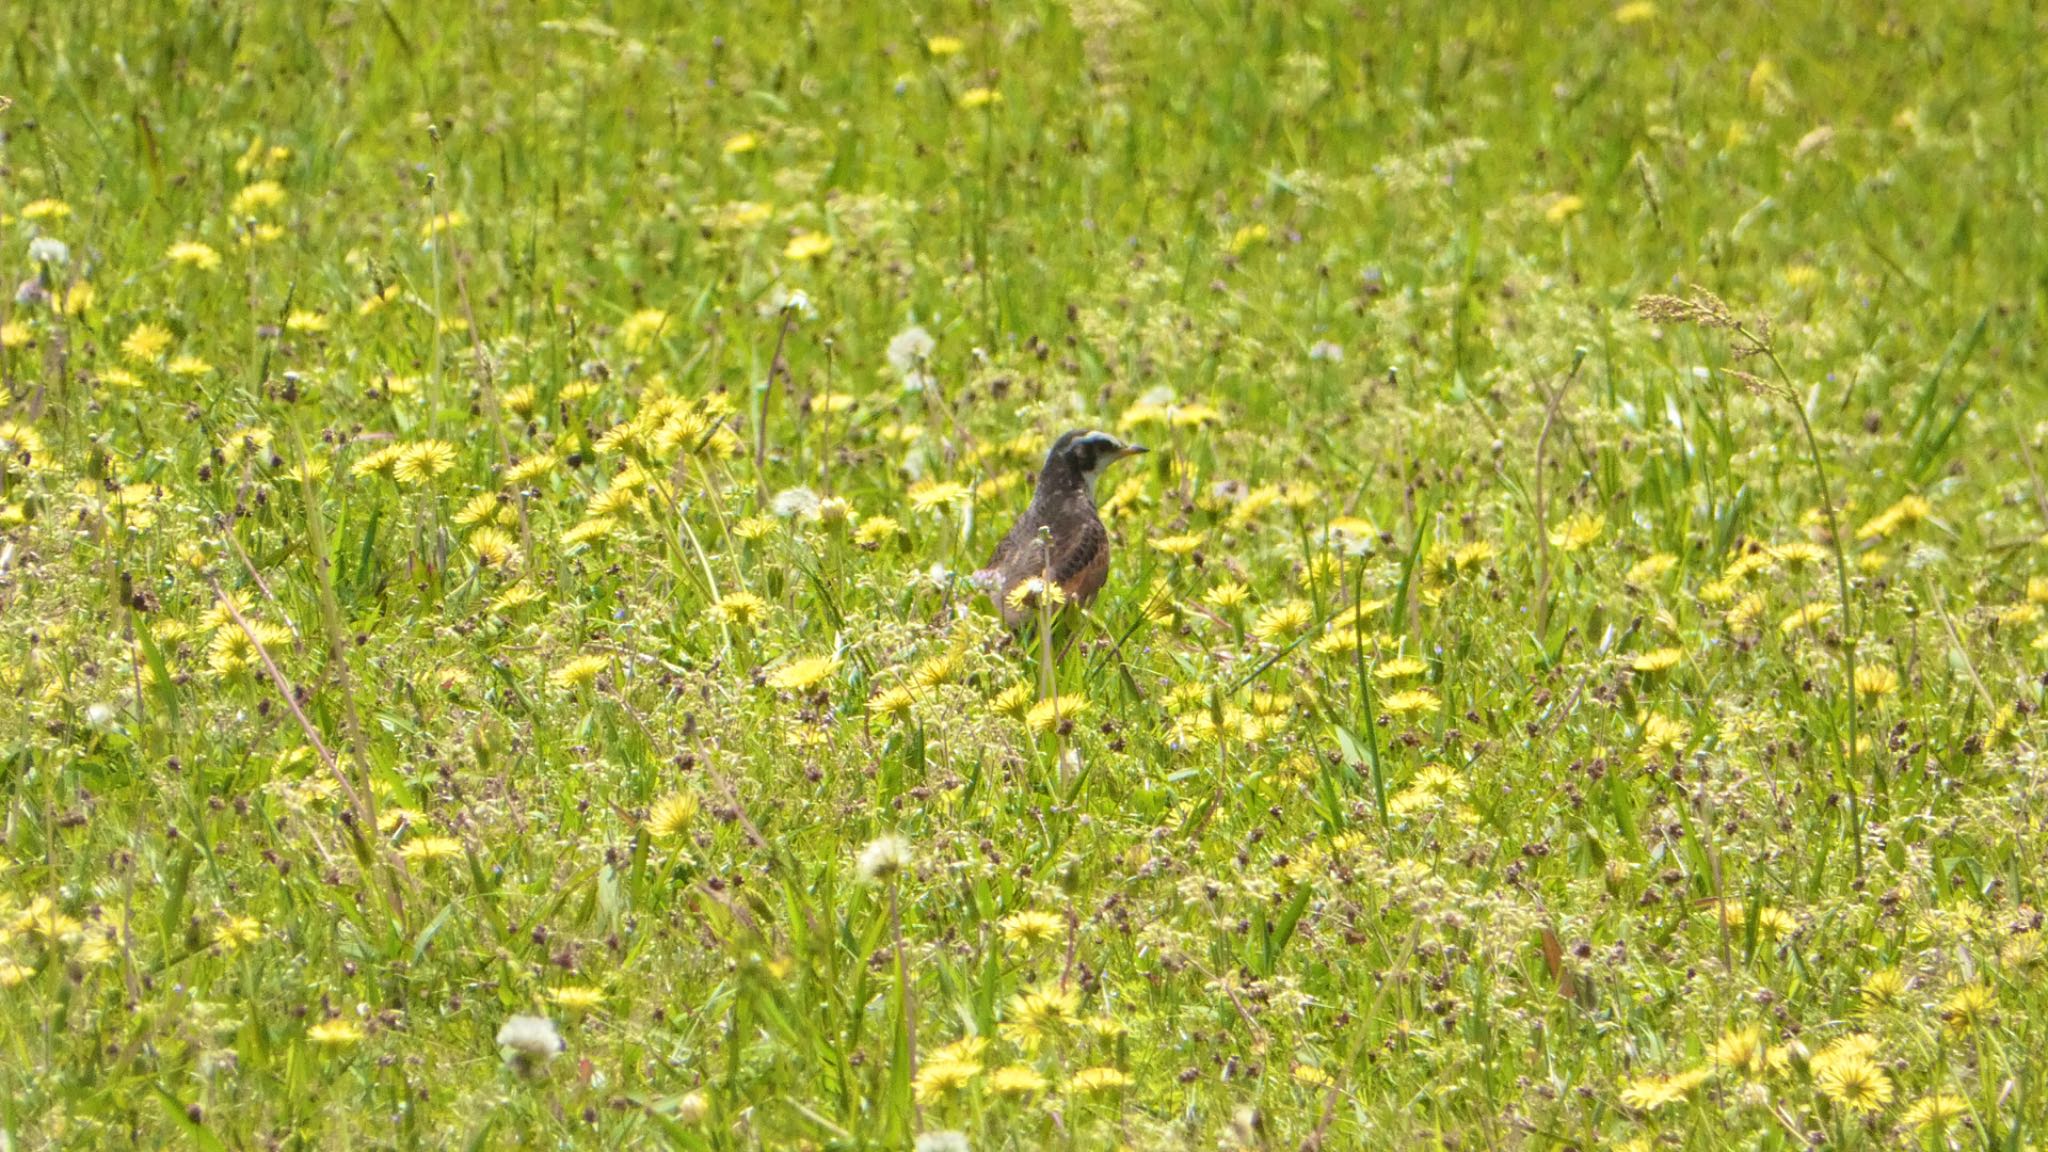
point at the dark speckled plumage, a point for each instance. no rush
(1060, 534)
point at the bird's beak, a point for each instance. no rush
(1132, 450)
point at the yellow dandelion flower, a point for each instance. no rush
(577, 997)
(741, 143)
(1311, 1075)
(1399, 668)
(1742, 1049)
(1181, 545)
(1876, 680)
(1016, 1080)
(45, 209)
(1090, 1081)
(1858, 1085)
(941, 1078)
(378, 299)
(1283, 621)
(1941, 1108)
(15, 334)
(1650, 1093)
(980, 98)
(929, 494)
(1415, 700)
(1662, 734)
(420, 462)
(494, 548)
(238, 931)
(876, 531)
(580, 671)
(1577, 531)
(1032, 927)
(1028, 593)
(532, 468)
(1806, 617)
(1227, 594)
(671, 815)
(1969, 1006)
(444, 222)
(589, 531)
(146, 342)
(1046, 713)
(257, 197)
(804, 674)
(643, 328)
(77, 299)
(193, 254)
(427, 849)
(1014, 702)
(1657, 660)
(944, 45)
(807, 246)
(892, 703)
(1563, 207)
(1884, 987)
(187, 366)
(1635, 12)
(335, 1033)
(740, 608)
(1743, 615)
(966, 1050)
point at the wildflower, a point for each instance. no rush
(306, 322)
(807, 246)
(1013, 702)
(1968, 1006)
(237, 931)
(420, 462)
(1311, 1075)
(1180, 545)
(1908, 511)
(1650, 1093)
(1282, 621)
(1033, 1017)
(1657, 660)
(493, 547)
(980, 98)
(876, 531)
(12, 974)
(577, 998)
(1417, 700)
(335, 1033)
(1884, 987)
(643, 328)
(1563, 208)
(146, 342)
(427, 849)
(1092, 1080)
(741, 143)
(1856, 1083)
(589, 531)
(1242, 240)
(187, 366)
(1806, 617)
(671, 815)
(1742, 1049)
(529, 1042)
(1577, 531)
(193, 254)
(1016, 1080)
(966, 1050)
(49, 250)
(77, 299)
(930, 494)
(579, 672)
(741, 608)
(257, 197)
(1635, 12)
(1046, 713)
(882, 859)
(944, 45)
(1031, 927)
(804, 674)
(444, 222)
(939, 1078)
(1662, 734)
(1227, 594)
(1940, 1108)
(14, 334)
(45, 209)
(1744, 613)
(892, 703)
(1876, 680)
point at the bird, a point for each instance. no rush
(1059, 536)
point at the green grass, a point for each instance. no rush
(1463, 754)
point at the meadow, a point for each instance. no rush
(489, 492)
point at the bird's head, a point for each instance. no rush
(1081, 456)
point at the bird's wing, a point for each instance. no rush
(1080, 563)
